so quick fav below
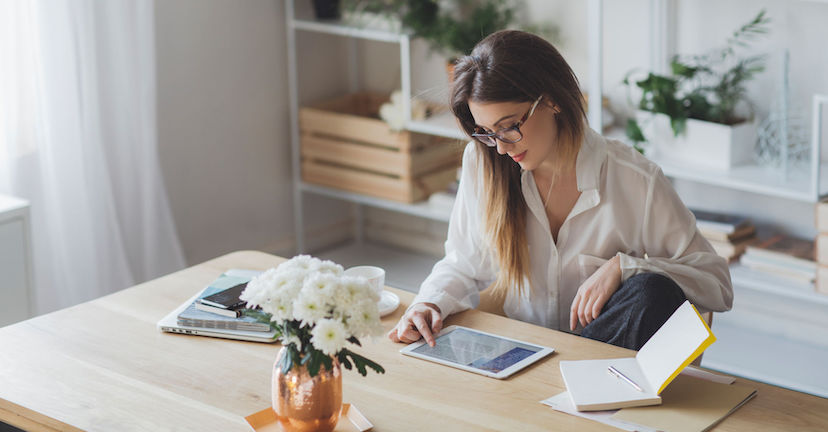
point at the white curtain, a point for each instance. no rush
(78, 140)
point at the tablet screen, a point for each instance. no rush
(477, 350)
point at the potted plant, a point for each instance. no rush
(451, 28)
(693, 115)
(316, 311)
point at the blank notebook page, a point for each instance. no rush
(680, 340)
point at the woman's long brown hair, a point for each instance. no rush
(515, 66)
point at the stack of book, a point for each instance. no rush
(728, 234)
(219, 307)
(783, 255)
(822, 247)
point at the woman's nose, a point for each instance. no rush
(503, 147)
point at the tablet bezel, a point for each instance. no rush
(505, 373)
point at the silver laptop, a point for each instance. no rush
(169, 323)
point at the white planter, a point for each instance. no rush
(372, 21)
(703, 144)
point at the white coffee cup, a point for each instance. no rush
(374, 275)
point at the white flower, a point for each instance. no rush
(274, 291)
(364, 319)
(301, 262)
(351, 290)
(260, 288)
(309, 308)
(331, 267)
(329, 336)
(322, 286)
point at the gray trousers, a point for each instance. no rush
(636, 311)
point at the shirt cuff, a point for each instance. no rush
(630, 265)
(446, 303)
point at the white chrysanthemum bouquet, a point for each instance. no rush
(315, 310)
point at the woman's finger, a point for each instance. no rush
(588, 315)
(409, 335)
(423, 327)
(436, 321)
(582, 309)
(598, 305)
(573, 312)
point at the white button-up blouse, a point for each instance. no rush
(626, 207)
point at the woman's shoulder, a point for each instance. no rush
(626, 161)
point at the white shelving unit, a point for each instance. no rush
(442, 124)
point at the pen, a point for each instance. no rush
(612, 370)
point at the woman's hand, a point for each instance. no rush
(422, 320)
(594, 292)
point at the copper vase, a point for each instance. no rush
(303, 403)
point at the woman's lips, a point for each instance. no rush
(518, 158)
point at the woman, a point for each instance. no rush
(568, 228)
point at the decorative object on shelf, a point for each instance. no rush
(326, 9)
(783, 135)
(392, 111)
(372, 14)
(783, 256)
(701, 89)
(315, 311)
(730, 235)
(345, 145)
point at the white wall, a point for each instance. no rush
(222, 119)
(224, 125)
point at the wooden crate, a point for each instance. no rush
(346, 146)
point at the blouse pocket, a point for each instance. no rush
(589, 264)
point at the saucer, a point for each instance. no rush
(388, 303)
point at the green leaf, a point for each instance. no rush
(361, 362)
(634, 131)
(678, 125)
(314, 363)
(327, 361)
(354, 340)
(287, 361)
(343, 359)
(682, 70)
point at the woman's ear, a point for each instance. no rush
(546, 101)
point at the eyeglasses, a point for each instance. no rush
(510, 134)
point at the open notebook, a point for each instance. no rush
(675, 345)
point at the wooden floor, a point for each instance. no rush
(768, 347)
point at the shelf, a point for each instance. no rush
(340, 29)
(749, 178)
(443, 124)
(745, 277)
(421, 209)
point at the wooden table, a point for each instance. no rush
(103, 366)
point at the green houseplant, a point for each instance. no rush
(708, 87)
(451, 27)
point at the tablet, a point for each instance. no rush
(479, 352)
